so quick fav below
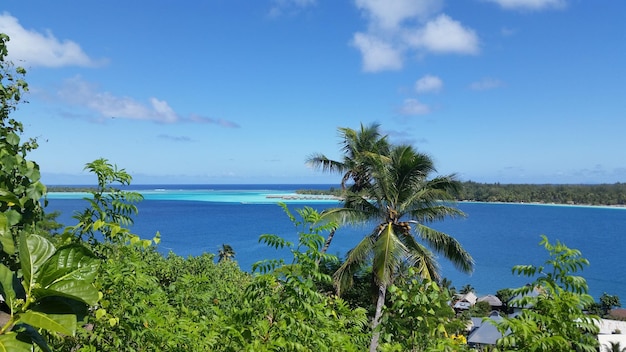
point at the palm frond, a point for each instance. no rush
(448, 246)
(344, 216)
(448, 183)
(356, 258)
(420, 257)
(435, 212)
(389, 252)
(361, 204)
(321, 162)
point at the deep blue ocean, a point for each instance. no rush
(193, 219)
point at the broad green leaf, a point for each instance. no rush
(10, 343)
(6, 280)
(13, 216)
(13, 139)
(6, 239)
(34, 252)
(35, 191)
(100, 313)
(61, 323)
(29, 333)
(61, 305)
(70, 273)
(8, 197)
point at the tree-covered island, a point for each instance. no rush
(573, 194)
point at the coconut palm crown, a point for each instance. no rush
(225, 253)
(355, 146)
(403, 200)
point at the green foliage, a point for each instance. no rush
(608, 302)
(419, 318)
(20, 186)
(52, 287)
(553, 319)
(45, 288)
(602, 194)
(613, 347)
(149, 302)
(466, 289)
(282, 308)
(480, 309)
(603, 307)
(110, 209)
(505, 295)
(226, 253)
(392, 185)
(362, 291)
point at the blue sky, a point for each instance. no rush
(234, 91)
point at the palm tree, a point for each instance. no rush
(467, 289)
(400, 196)
(446, 284)
(357, 146)
(614, 347)
(225, 253)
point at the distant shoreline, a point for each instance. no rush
(607, 206)
(320, 195)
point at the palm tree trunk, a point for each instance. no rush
(382, 291)
(326, 245)
(328, 240)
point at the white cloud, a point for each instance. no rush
(41, 49)
(530, 4)
(413, 107)
(289, 7)
(486, 84)
(428, 84)
(396, 28)
(80, 93)
(377, 54)
(389, 14)
(445, 35)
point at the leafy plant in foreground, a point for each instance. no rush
(46, 289)
(282, 308)
(553, 320)
(419, 318)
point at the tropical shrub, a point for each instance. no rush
(553, 319)
(418, 317)
(282, 308)
(46, 289)
(149, 302)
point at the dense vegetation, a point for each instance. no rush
(96, 286)
(602, 194)
(587, 194)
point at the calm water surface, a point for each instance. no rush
(197, 219)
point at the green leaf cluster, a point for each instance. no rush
(552, 318)
(283, 309)
(418, 317)
(46, 288)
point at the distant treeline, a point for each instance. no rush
(70, 189)
(332, 191)
(599, 194)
